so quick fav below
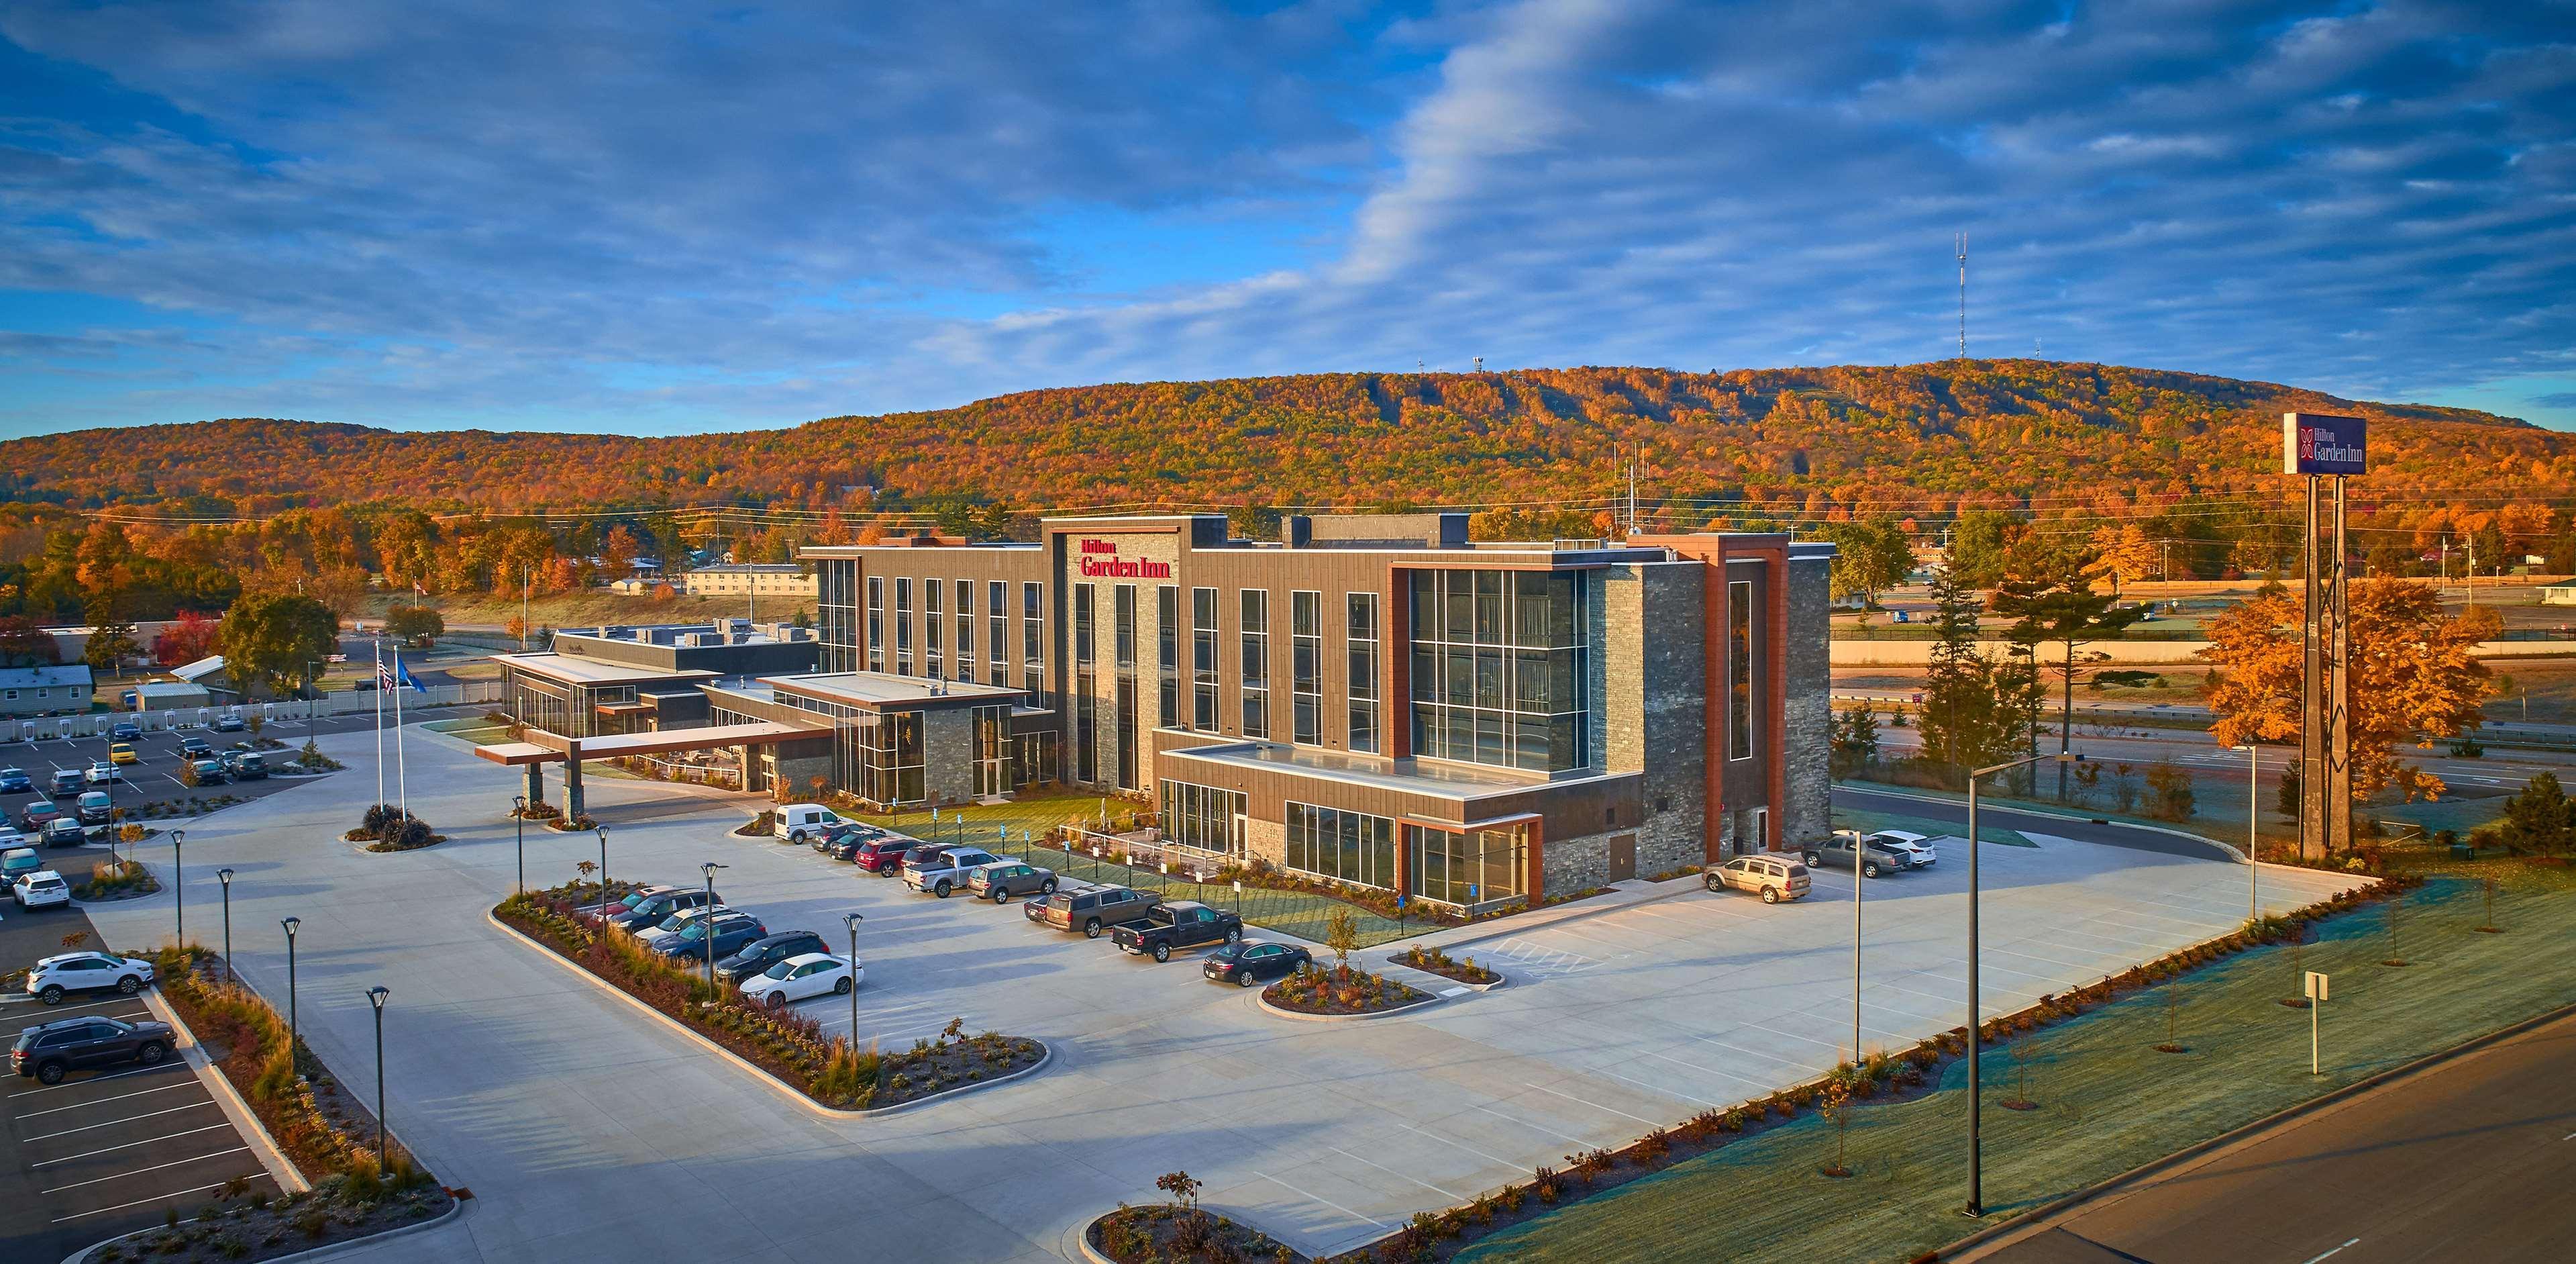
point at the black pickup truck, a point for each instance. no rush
(1180, 924)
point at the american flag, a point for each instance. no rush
(385, 673)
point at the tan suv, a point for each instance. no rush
(1775, 878)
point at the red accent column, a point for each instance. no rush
(1537, 861)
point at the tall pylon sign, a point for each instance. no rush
(2325, 450)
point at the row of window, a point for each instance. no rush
(1463, 867)
(845, 637)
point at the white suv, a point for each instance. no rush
(86, 972)
(40, 889)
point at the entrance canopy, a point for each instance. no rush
(549, 748)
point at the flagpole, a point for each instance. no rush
(402, 771)
(380, 721)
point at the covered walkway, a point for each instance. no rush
(543, 748)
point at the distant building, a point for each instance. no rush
(2558, 595)
(612, 680)
(759, 579)
(166, 695)
(44, 690)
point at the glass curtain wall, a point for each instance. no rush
(902, 626)
(1033, 646)
(1467, 867)
(997, 633)
(1739, 670)
(876, 623)
(992, 746)
(837, 606)
(1255, 635)
(933, 663)
(1086, 739)
(966, 630)
(1360, 638)
(1306, 652)
(1124, 618)
(1167, 653)
(1203, 659)
(1502, 667)
(1352, 847)
(1202, 816)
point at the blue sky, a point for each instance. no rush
(666, 217)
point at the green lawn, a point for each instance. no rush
(2107, 1100)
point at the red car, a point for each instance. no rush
(883, 854)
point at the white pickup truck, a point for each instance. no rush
(949, 870)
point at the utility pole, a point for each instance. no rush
(1961, 245)
(2471, 572)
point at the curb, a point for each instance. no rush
(1082, 1239)
(455, 1208)
(2028, 1221)
(1262, 998)
(1498, 932)
(1446, 983)
(243, 1118)
(1046, 1055)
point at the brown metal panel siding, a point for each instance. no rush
(1333, 573)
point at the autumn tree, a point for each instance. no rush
(1870, 555)
(25, 643)
(274, 637)
(2124, 554)
(190, 638)
(2414, 676)
(1977, 543)
(2047, 590)
(415, 626)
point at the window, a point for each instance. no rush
(1085, 702)
(1202, 817)
(1739, 670)
(1203, 659)
(1033, 644)
(1123, 613)
(1255, 635)
(1360, 635)
(1306, 628)
(902, 626)
(836, 602)
(1350, 847)
(1123, 621)
(876, 623)
(892, 753)
(1167, 652)
(1501, 664)
(965, 630)
(931, 618)
(1466, 867)
(992, 739)
(997, 627)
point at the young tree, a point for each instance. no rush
(1183, 1187)
(1870, 555)
(415, 626)
(2049, 595)
(2414, 677)
(1342, 934)
(2169, 794)
(2538, 820)
(1971, 716)
(1854, 745)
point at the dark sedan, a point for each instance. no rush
(730, 933)
(760, 954)
(1250, 961)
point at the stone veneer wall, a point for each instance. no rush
(1674, 679)
(1581, 863)
(1808, 812)
(1266, 840)
(948, 754)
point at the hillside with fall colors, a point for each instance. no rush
(1918, 439)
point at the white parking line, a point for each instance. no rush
(1392, 1172)
(154, 1168)
(176, 1193)
(1325, 1201)
(1525, 1123)
(1706, 1070)
(1657, 1089)
(101, 1101)
(127, 1120)
(1506, 1163)
(1595, 1105)
(129, 1145)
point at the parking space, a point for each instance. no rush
(109, 1150)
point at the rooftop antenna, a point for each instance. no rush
(1961, 245)
(1480, 364)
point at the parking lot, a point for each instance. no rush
(106, 1151)
(574, 1117)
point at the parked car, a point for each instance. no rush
(679, 921)
(120, 753)
(921, 853)
(1180, 924)
(86, 972)
(67, 781)
(999, 883)
(228, 723)
(95, 808)
(210, 771)
(18, 862)
(883, 854)
(949, 872)
(767, 951)
(63, 831)
(1094, 910)
(624, 904)
(804, 975)
(16, 781)
(246, 765)
(35, 812)
(800, 822)
(49, 1052)
(125, 731)
(1249, 961)
(101, 772)
(650, 910)
(1771, 877)
(195, 747)
(845, 842)
(41, 888)
(1875, 857)
(724, 935)
(1914, 845)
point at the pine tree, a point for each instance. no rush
(2048, 592)
(1971, 699)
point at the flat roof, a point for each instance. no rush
(592, 671)
(1434, 779)
(885, 689)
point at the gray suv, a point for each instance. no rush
(1000, 882)
(1875, 856)
(1094, 910)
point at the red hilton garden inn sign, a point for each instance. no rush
(1100, 560)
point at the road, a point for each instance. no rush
(2500, 769)
(2470, 1160)
(2134, 837)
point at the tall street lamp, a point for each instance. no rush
(1860, 873)
(852, 921)
(603, 864)
(225, 876)
(709, 947)
(1976, 1169)
(2253, 825)
(291, 1038)
(519, 815)
(376, 996)
(179, 884)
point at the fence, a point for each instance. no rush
(99, 723)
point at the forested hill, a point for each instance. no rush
(2010, 430)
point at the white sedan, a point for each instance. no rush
(102, 772)
(812, 974)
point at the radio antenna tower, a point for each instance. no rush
(1961, 245)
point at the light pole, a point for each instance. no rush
(179, 884)
(376, 996)
(291, 1038)
(225, 876)
(603, 864)
(708, 949)
(519, 815)
(2253, 824)
(852, 921)
(1976, 1154)
(1860, 874)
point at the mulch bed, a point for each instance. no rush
(89, 893)
(1163, 1233)
(238, 1225)
(1342, 990)
(1434, 961)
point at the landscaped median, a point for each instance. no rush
(787, 1047)
(1340, 992)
